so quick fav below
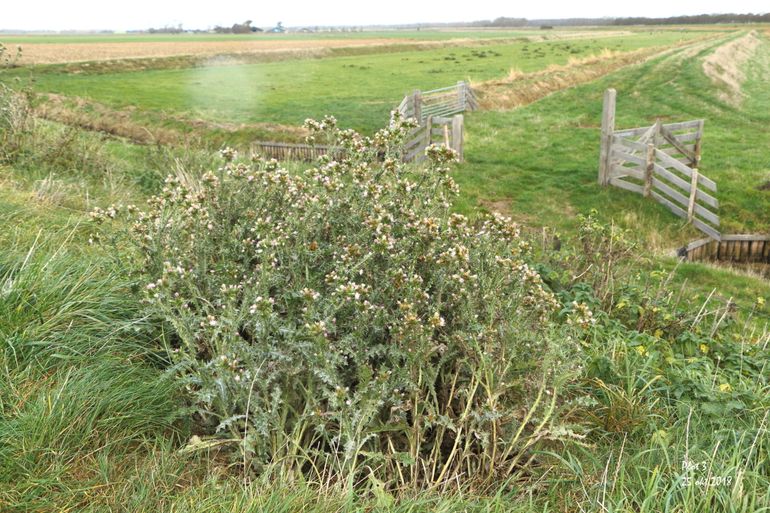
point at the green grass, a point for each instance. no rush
(287, 92)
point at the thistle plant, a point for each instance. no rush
(341, 323)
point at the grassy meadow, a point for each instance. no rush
(643, 389)
(288, 92)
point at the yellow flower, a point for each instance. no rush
(725, 387)
(641, 350)
(760, 301)
(704, 349)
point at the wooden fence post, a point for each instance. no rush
(417, 102)
(693, 192)
(428, 130)
(697, 149)
(461, 96)
(458, 133)
(649, 170)
(608, 127)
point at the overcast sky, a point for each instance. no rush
(140, 14)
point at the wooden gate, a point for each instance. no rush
(435, 130)
(660, 161)
(443, 102)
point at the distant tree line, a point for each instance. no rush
(700, 19)
(238, 28)
(167, 30)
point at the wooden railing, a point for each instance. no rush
(292, 151)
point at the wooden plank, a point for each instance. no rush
(608, 127)
(415, 154)
(428, 129)
(668, 204)
(671, 177)
(708, 230)
(649, 169)
(693, 192)
(670, 192)
(418, 138)
(440, 89)
(701, 196)
(631, 132)
(441, 103)
(672, 127)
(458, 135)
(629, 144)
(650, 134)
(698, 243)
(671, 150)
(619, 154)
(755, 249)
(617, 182)
(417, 104)
(667, 135)
(742, 237)
(687, 137)
(682, 168)
(620, 171)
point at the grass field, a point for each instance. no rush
(288, 92)
(674, 380)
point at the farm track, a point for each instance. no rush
(519, 89)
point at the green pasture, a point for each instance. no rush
(360, 90)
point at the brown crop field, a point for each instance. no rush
(58, 53)
(101, 50)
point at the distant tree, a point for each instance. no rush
(241, 28)
(509, 22)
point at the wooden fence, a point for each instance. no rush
(660, 161)
(448, 131)
(291, 151)
(731, 248)
(443, 102)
